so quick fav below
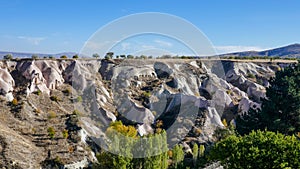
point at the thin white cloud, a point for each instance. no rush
(32, 40)
(163, 43)
(91, 45)
(125, 46)
(231, 49)
(147, 47)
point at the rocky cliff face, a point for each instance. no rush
(190, 98)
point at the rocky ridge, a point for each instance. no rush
(190, 97)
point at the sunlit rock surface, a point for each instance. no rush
(188, 98)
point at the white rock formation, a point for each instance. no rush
(213, 118)
(245, 104)
(6, 84)
(44, 75)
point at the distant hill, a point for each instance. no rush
(290, 51)
(41, 55)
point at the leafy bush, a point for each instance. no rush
(51, 132)
(65, 133)
(146, 94)
(79, 99)
(261, 149)
(55, 98)
(51, 115)
(67, 91)
(38, 92)
(14, 102)
(76, 113)
(250, 75)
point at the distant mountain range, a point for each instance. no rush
(290, 51)
(41, 55)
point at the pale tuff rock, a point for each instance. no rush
(256, 91)
(44, 75)
(6, 84)
(222, 98)
(135, 112)
(245, 104)
(76, 74)
(144, 129)
(162, 70)
(213, 118)
(239, 93)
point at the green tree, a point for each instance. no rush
(51, 57)
(109, 55)
(125, 144)
(130, 57)
(96, 55)
(177, 156)
(201, 150)
(260, 149)
(195, 152)
(143, 57)
(63, 57)
(75, 57)
(34, 56)
(281, 110)
(8, 56)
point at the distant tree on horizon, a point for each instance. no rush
(8, 56)
(96, 55)
(109, 55)
(75, 57)
(34, 56)
(130, 57)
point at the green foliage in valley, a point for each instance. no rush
(260, 149)
(125, 144)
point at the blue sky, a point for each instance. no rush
(231, 25)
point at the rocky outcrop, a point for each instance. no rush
(44, 75)
(7, 84)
